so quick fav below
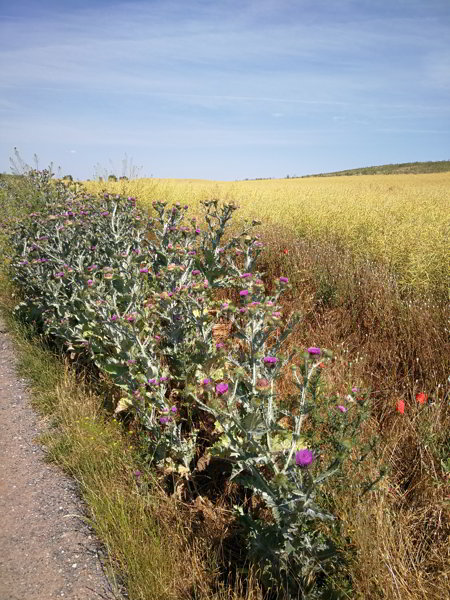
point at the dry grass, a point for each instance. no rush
(400, 538)
(394, 348)
(396, 345)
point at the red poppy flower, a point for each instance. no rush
(400, 407)
(285, 251)
(421, 398)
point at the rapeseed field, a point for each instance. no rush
(401, 220)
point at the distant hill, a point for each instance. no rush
(439, 166)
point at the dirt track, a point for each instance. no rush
(46, 549)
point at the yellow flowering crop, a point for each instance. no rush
(403, 220)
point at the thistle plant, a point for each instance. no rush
(137, 296)
(272, 448)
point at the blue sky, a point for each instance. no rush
(224, 89)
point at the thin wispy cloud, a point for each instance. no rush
(233, 77)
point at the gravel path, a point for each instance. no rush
(46, 549)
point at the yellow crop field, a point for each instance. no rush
(402, 220)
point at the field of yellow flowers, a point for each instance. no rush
(401, 220)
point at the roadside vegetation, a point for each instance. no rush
(267, 403)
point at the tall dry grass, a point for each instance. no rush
(394, 347)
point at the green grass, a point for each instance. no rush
(439, 166)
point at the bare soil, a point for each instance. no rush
(47, 550)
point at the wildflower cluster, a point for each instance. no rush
(138, 297)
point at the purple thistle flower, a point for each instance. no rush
(224, 305)
(304, 458)
(90, 282)
(92, 267)
(284, 279)
(313, 350)
(343, 409)
(114, 318)
(152, 381)
(60, 274)
(105, 213)
(254, 303)
(206, 381)
(195, 272)
(221, 388)
(243, 293)
(242, 310)
(245, 275)
(198, 231)
(270, 360)
(174, 409)
(143, 270)
(192, 252)
(164, 420)
(163, 379)
(219, 345)
(355, 390)
(137, 474)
